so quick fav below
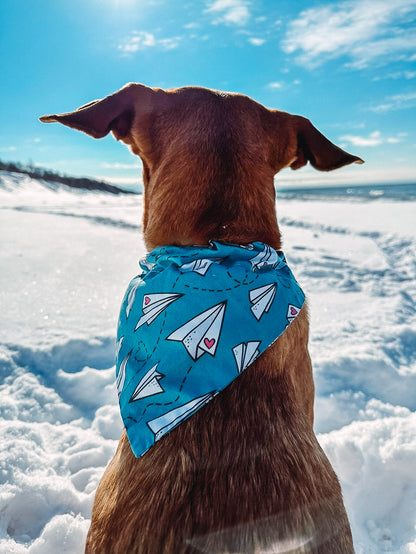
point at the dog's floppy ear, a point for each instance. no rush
(112, 113)
(314, 147)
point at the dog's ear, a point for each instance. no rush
(314, 147)
(112, 113)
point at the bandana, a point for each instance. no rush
(190, 323)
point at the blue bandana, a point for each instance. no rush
(190, 323)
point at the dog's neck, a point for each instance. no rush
(240, 213)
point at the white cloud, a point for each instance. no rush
(397, 75)
(169, 43)
(373, 139)
(230, 12)
(256, 41)
(275, 85)
(396, 102)
(365, 32)
(140, 40)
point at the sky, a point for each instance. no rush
(349, 66)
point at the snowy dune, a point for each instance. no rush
(67, 257)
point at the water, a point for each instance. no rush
(404, 191)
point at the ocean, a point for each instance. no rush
(403, 192)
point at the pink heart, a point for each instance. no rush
(293, 311)
(209, 343)
(146, 300)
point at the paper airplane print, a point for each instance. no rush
(118, 346)
(197, 266)
(121, 377)
(148, 385)
(130, 299)
(147, 265)
(194, 320)
(201, 333)
(153, 305)
(267, 257)
(245, 353)
(261, 299)
(166, 422)
(292, 312)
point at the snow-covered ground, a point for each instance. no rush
(66, 258)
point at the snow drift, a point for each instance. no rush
(67, 257)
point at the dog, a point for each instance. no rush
(245, 473)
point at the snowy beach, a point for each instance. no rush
(66, 259)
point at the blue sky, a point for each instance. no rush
(349, 66)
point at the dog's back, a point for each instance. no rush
(245, 473)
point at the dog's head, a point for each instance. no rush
(209, 158)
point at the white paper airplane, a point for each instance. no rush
(201, 334)
(267, 257)
(153, 305)
(292, 312)
(245, 353)
(118, 346)
(262, 298)
(166, 422)
(198, 266)
(148, 265)
(130, 299)
(148, 385)
(121, 377)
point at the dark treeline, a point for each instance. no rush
(51, 176)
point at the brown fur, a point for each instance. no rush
(245, 473)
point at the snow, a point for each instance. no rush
(66, 258)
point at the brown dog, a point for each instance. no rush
(245, 473)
